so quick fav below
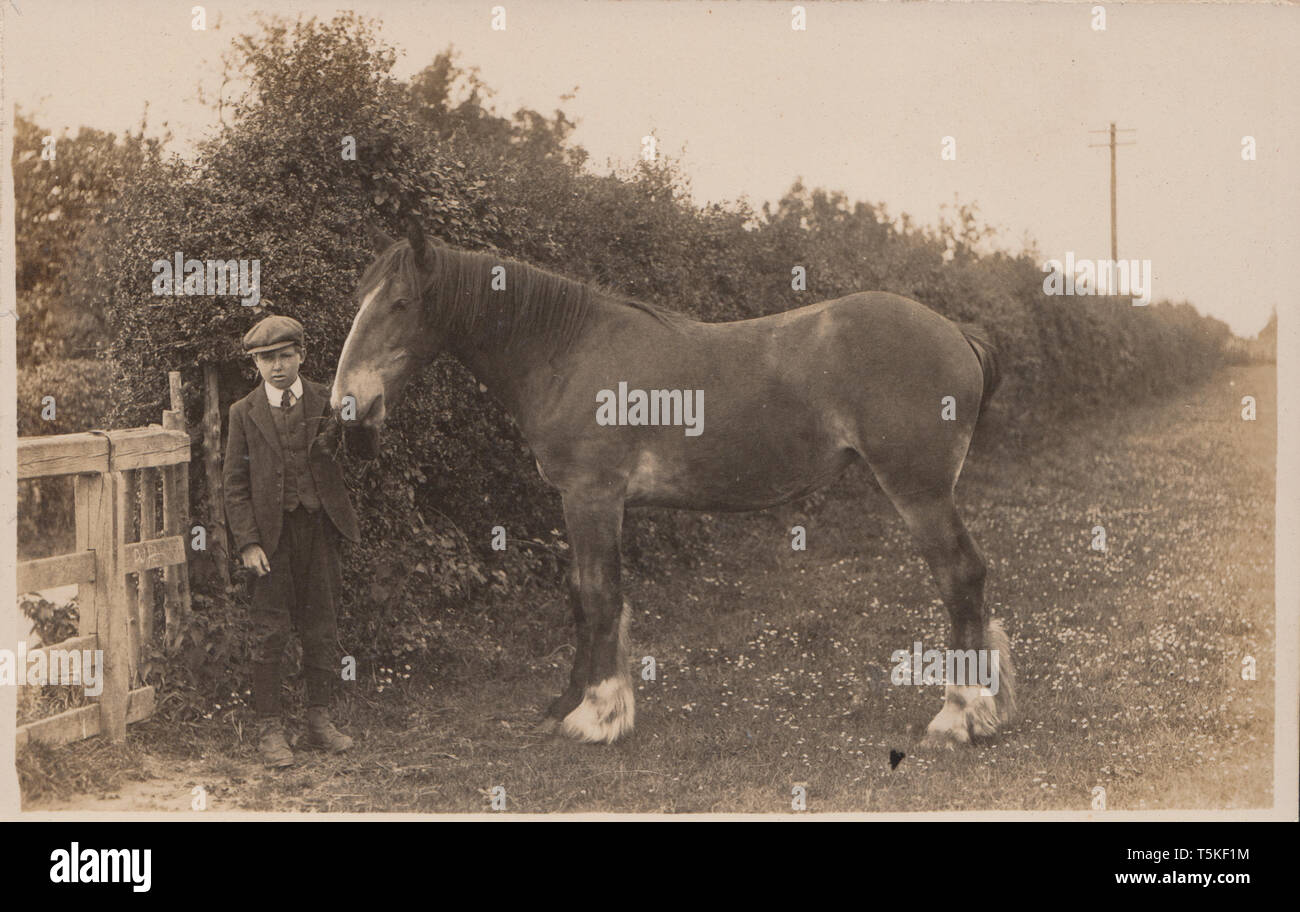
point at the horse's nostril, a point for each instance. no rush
(370, 409)
(351, 408)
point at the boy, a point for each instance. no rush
(286, 506)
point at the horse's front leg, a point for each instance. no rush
(606, 709)
(568, 701)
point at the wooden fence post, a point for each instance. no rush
(182, 501)
(175, 507)
(148, 487)
(212, 463)
(88, 496)
(176, 399)
(128, 483)
(110, 605)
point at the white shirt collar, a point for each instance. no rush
(274, 395)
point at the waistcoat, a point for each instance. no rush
(299, 486)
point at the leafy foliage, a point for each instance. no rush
(60, 188)
(50, 622)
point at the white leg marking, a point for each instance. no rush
(608, 709)
(996, 638)
(949, 726)
(606, 713)
(966, 711)
(972, 710)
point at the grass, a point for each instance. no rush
(772, 665)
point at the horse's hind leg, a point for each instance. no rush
(959, 569)
(606, 709)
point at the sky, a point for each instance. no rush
(859, 102)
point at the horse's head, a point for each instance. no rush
(390, 337)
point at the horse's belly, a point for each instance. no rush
(749, 478)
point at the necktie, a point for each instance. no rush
(286, 401)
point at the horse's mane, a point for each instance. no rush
(536, 306)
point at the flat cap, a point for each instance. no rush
(272, 333)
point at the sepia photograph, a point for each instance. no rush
(648, 410)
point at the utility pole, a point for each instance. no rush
(1114, 237)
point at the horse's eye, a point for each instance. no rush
(399, 304)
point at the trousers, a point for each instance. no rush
(300, 592)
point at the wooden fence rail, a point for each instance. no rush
(126, 481)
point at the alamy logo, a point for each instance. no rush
(1099, 277)
(958, 667)
(78, 865)
(37, 667)
(211, 277)
(679, 408)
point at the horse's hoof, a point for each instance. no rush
(606, 713)
(942, 740)
(967, 712)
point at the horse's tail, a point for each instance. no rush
(990, 363)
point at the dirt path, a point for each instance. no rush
(772, 665)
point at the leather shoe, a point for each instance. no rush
(272, 744)
(322, 733)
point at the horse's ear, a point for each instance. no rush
(378, 239)
(415, 237)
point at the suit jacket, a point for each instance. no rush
(254, 470)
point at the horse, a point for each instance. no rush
(731, 417)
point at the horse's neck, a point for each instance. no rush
(521, 376)
(503, 372)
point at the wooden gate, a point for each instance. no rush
(132, 512)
